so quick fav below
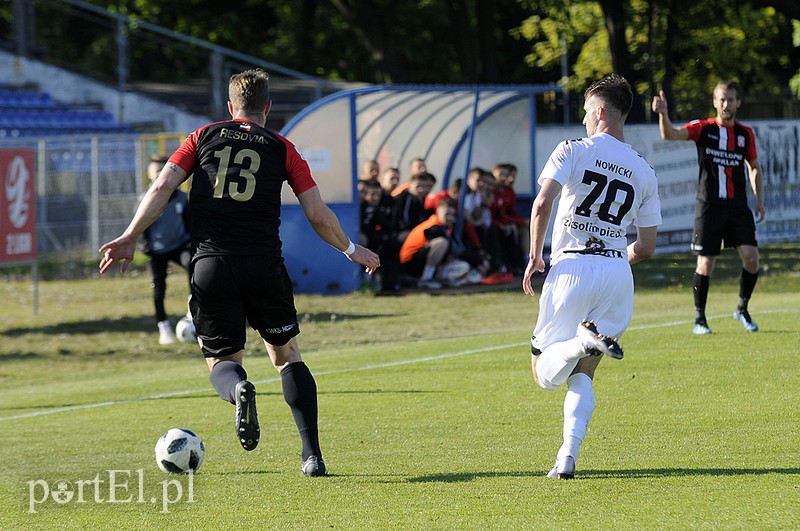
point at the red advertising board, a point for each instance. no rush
(17, 206)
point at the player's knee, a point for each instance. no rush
(542, 382)
(750, 264)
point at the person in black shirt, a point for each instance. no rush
(379, 234)
(167, 240)
(238, 274)
(726, 152)
(409, 204)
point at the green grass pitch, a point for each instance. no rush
(429, 417)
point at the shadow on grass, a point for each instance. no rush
(100, 326)
(17, 356)
(146, 324)
(47, 409)
(328, 317)
(378, 391)
(617, 474)
(685, 472)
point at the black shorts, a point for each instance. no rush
(415, 266)
(714, 224)
(228, 292)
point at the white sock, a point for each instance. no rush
(557, 361)
(428, 272)
(578, 409)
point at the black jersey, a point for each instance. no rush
(238, 171)
(722, 152)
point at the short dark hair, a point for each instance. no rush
(160, 158)
(424, 176)
(249, 90)
(371, 184)
(448, 202)
(614, 90)
(507, 166)
(730, 84)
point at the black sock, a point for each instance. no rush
(700, 289)
(300, 392)
(224, 377)
(747, 284)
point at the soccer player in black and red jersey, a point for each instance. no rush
(726, 150)
(238, 274)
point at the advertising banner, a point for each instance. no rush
(17, 206)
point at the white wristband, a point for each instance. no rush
(350, 249)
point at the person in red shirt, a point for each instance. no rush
(512, 228)
(726, 152)
(237, 270)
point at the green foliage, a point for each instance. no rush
(684, 46)
(751, 45)
(794, 83)
(744, 42)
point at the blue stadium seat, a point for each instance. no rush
(31, 113)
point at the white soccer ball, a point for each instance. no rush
(184, 330)
(179, 451)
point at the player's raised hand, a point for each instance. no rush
(660, 103)
(118, 250)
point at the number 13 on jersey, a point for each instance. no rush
(241, 174)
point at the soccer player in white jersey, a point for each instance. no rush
(587, 297)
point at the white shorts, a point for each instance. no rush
(578, 287)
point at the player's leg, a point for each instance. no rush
(747, 283)
(219, 319)
(611, 308)
(578, 408)
(706, 244)
(436, 250)
(230, 381)
(158, 269)
(562, 337)
(742, 235)
(271, 311)
(182, 256)
(300, 394)
(700, 285)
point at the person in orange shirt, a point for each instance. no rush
(427, 245)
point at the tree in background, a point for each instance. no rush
(795, 81)
(683, 47)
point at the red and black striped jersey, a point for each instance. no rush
(722, 152)
(238, 171)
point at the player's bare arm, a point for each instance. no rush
(540, 218)
(155, 200)
(326, 225)
(665, 127)
(757, 184)
(644, 246)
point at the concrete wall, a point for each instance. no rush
(71, 88)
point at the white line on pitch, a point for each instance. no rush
(338, 371)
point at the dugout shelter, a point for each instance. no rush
(453, 128)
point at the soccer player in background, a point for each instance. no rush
(587, 297)
(726, 151)
(238, 274)
(166, 240)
